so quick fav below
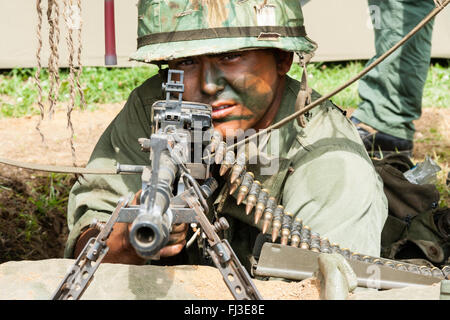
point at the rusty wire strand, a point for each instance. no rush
(37, 75)
(71, 103)
(79, 64)
(53, 14)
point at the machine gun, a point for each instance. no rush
(174, 124)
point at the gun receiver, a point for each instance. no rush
(175, 124)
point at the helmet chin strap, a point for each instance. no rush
(304, 95)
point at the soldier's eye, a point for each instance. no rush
(185, 62)
(231, 56)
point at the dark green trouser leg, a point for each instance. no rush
(392, 92)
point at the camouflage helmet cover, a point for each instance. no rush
(172, 29)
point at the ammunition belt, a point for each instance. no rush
(287, 228)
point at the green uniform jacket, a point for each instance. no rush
(321, 173)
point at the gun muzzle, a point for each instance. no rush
(150, 233)
(151, 229)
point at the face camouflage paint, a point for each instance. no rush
(240, 86)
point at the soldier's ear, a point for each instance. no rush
(284, 61)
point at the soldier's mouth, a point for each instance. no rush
(222, 109)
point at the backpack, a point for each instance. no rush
(416, 229)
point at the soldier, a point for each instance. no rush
(235, 56)
(392, 92)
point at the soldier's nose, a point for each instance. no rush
(212, 88)
(211, 82)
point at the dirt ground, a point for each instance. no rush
(33, 229)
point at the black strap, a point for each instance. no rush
(225, 32)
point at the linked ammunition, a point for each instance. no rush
(355, 256)
(261, 203)
(436, 272)
(424, 270)
(220, 152)
(268, 213)
(414, 269)
(346, 253)
(401, 266)
(215, 140)
(325, 245)
(230, 157)
(236, 184)
(366, 259)
(305, 237)
(244, 189)
(315, 242)
(335, 248)
(296, 232)
(276, 222)
(238, 167)
(390, 264)
(253, 196)
(286, 222)
(446, 272)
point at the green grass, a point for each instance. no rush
(325, 77)
(18, 91)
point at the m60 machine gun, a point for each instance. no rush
(174, 126)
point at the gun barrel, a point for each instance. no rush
(151, 229)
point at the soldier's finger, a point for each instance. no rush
(182, 227)
(172, 250)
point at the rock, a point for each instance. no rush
(408, 293)
(37, 280)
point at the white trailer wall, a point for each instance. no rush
(345, 38)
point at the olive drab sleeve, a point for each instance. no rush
(333, 186)
(95, 196)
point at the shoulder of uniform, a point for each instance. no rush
(293, 86)
(150, 91)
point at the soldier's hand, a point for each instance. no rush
(177, 240)
(120, 248)
(177, 237)
(337, 278)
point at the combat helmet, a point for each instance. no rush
(172, 29)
